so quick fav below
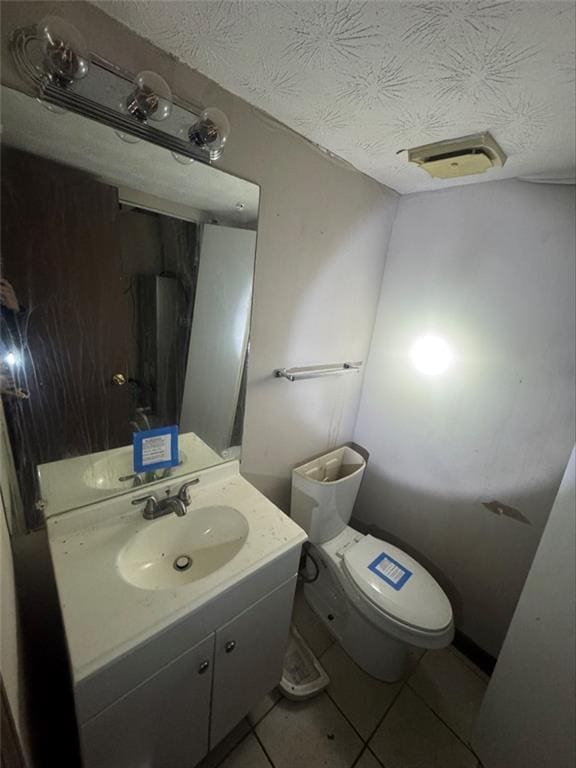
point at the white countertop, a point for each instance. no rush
(105, 616)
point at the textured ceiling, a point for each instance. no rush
(366, 79)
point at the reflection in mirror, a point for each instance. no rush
(125, 306)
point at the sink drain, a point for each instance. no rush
(182, 563)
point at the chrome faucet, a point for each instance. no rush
(176, 504)
(141, 414)
(141, 478)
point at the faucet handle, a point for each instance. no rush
(151, 507)
(183, 492)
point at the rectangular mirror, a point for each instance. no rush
(126, 292)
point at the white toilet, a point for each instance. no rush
(375, 599)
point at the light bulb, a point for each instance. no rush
(431, 355)
(211, 132)
(66, 55)
(151, 98)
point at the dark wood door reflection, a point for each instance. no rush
(66, 314)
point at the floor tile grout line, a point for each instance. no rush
(348, 721)
(362, 753)
(415, 667)
(450, 728)
(232, 749)
(395, 698)
(263, 748)
(378, 761)
(364, 743)
(345, 716)
(388, 710)
(469, 664)
(253, 725)
(404, 682)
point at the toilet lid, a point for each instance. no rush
(396, 584)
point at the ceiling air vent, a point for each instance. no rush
(459, 157)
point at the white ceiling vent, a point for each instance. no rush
(450, 159)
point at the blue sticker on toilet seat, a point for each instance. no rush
(390, 571)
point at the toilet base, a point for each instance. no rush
(376, 652)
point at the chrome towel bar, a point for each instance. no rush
(316, 371)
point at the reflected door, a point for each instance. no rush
(71, 327)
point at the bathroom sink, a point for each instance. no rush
(116, 573)
(174, 551)
(115, 471)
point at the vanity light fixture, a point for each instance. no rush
(66, 58)
(151, 98)
(55, 58)
(51, 52)
(210, 132)
(178, 156)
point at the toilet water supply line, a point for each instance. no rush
(307, 555)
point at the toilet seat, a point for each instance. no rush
(391, 589)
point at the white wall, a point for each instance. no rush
(528, 716)
(216, 354)
(322, 237)
(10, 643)
(490, 268)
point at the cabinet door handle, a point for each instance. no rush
(203, 667)
(230, 645)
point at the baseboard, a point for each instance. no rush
(477, 655)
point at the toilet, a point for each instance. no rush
(376, 600)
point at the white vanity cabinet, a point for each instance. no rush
(173, 717)
(249, 658)
(163, 722)
(165, 666)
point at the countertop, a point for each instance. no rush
(104, 615)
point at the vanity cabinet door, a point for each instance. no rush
(249, 659)
(163, 723)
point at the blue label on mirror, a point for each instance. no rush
(156, 449)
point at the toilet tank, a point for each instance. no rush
(324, 491)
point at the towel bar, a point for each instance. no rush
(316, 371)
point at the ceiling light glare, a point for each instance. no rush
(431, 355)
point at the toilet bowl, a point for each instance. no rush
(375, 599)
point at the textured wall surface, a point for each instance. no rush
(322, 237)
(366, 79)
(490, 269)
(528, 717)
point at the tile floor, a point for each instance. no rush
(423, 721)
